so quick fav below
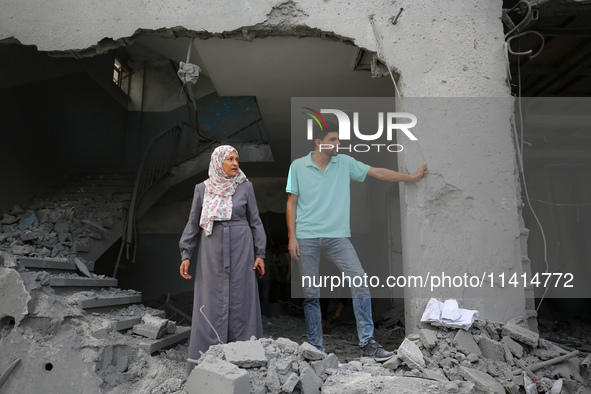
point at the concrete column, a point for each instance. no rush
(463, 219)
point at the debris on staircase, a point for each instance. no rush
(75, 333)
(69, 220)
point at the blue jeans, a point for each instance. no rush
(341, 252)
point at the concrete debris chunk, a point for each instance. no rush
(272, 380)
(521, 334)
(464, 342)
(393, 363)
(217, 376)
(515, 348)
(151, 327)
(428, 337)
(82, 267)
(321, 365)
(290, 383)
(491, 349)
(309, 352)
(411, 355)
(245, 354)
(481, 380)
(287, 345)
(309, 381)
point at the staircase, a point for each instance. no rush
(99, 298)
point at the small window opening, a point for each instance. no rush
(121, 76)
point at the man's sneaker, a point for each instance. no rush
(375, 351)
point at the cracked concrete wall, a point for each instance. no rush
(440, 49)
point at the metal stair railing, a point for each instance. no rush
(165, 151)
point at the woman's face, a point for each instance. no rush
(230, 164)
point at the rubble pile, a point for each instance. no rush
(493, 357)
(57, 228)
(63, 347)
(489, 357)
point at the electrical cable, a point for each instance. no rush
(519, 149)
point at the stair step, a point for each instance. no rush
(109, 301)
(182, 333)
(28, 262)
(82, 282)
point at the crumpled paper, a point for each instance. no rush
(448, 314)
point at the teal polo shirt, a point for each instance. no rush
(324, 198)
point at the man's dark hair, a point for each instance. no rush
(319, 134)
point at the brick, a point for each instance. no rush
(247, 354)
(213, 375)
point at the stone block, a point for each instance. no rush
(321, 365)
(309, 381)
(411, 355)
(521, 334)
(491, 349)
(481, 380)
(213, 375)
(515, 348)
(247, 354)
(309, 352)
(428, 337)
(464, 342)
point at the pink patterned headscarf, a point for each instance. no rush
(219, 189)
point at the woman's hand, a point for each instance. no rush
(259, 265)
(185, 269)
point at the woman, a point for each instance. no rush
(225, 221)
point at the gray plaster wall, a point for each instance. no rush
(440, 49)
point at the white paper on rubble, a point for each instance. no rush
(448, 314)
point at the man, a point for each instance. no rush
(318, 208)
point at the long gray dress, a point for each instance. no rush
(224, 279)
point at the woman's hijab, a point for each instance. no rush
(219, 189)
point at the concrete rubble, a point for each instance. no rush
(437, 360)
(59, 227)
(67, 341)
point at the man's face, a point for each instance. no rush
(331, 138)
